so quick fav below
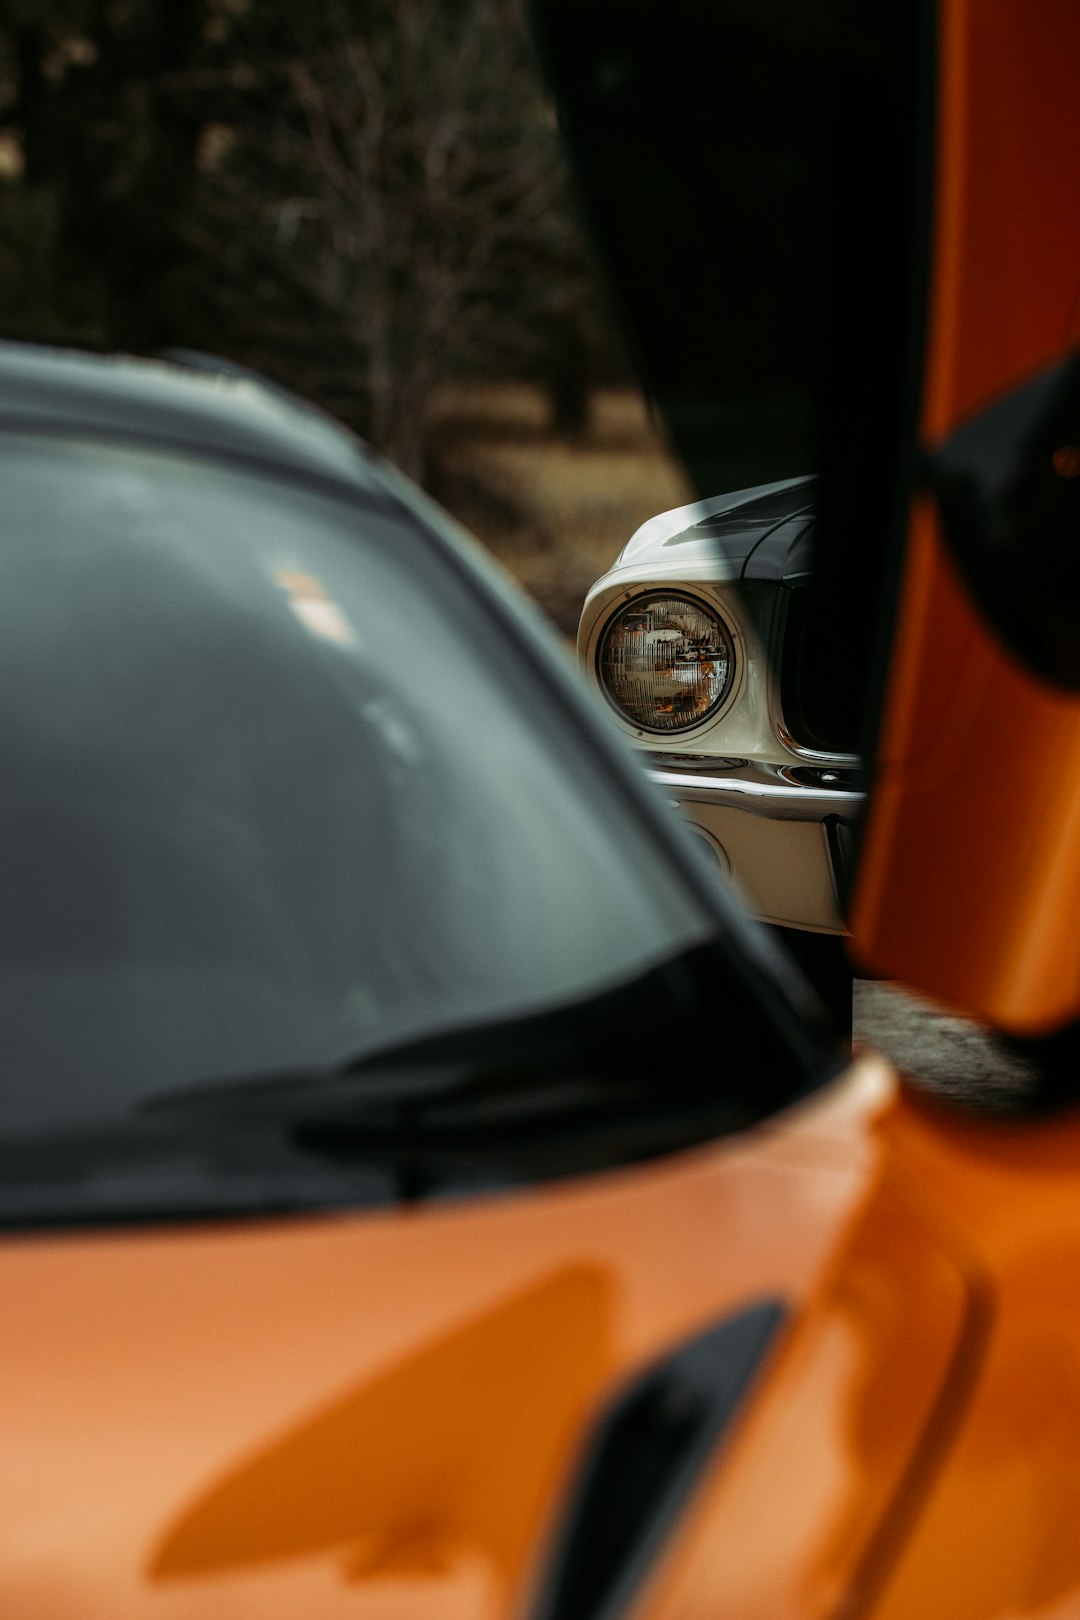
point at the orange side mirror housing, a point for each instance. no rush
(969, 879)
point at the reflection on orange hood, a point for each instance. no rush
(410, 1468)
(372, 1414)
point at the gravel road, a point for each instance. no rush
(953, 1056)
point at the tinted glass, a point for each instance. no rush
(275, 790)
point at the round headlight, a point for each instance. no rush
(666, 662)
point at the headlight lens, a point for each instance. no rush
(666, 662)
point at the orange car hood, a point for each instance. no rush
(371, 1414)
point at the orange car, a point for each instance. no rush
(347, 1160)
(424, 1194)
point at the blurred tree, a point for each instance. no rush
(102, 142)
(361, 197)
(409, 198)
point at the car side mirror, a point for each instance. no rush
(1007, 486)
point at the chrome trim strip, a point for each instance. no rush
(812, 756)
(760, 794)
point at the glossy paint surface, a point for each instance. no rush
(383, 1415)
(915, 1449)
(798, 1520)
(373, 1415)
(996, 1535)
(971, 862)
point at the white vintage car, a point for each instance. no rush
(697, 639)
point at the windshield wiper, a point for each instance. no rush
(442, 1126)
(659, 1025)
(618, 1076)
(600, 1033)
(505, 1097)
(139, 1170)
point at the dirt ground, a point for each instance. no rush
(951, 1056)
(555, 513)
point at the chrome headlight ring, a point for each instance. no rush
(666, 662)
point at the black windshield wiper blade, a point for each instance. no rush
(276, 1095)
(454, 1124)
(136, 1171)
(529, 1125)
(598, 1034)
(577, 1086)
(393, 1100)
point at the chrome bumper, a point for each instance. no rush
(798, 878)
(762, 790)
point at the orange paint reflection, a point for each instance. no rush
(802, 1515)
(450, 1452)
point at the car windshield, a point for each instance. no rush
(275, 790)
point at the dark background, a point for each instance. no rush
(366, 201)
(361, 197)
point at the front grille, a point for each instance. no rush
(820, 692)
